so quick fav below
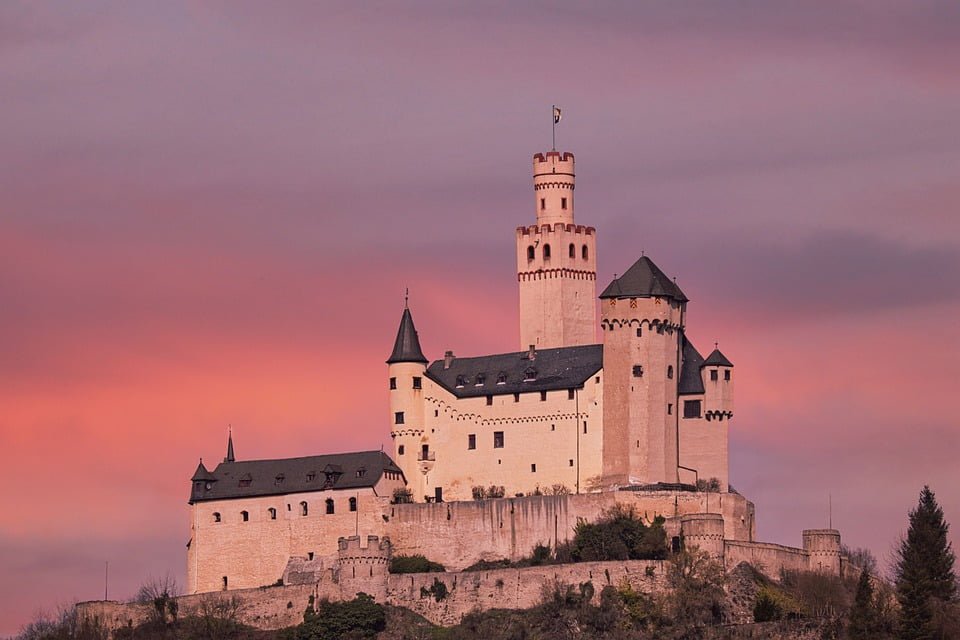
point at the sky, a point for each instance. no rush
(209, 212)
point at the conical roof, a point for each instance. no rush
(201, 474)
(407, 346)
(717, 359)
(644, 280)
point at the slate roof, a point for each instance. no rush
(406, 348)
(644, 280)
(249, 478)
(717, 359)
(559, 368)
(691, 381)
(201, 474)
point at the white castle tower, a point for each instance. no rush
(556, 262)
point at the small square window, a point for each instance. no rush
(637, 371)
(570, 394)
(726, 374)
(691, 409)
(489, 400)
(393, 383)
(498, 439)
(533, 468)
(400, 450)
(714, 375)
(543, 396)
(472, 441)
(398, 417)
(417, 382)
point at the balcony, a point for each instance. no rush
(430, 456)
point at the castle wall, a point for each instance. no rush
(768, 558)
(704, 446)
(550, 434)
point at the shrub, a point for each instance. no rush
(357, 618)
(438, 590)
(711, 485)
(414, 564)
(619, 534)
(402, 495)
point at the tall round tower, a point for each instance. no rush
(406, 367)
(556, 262)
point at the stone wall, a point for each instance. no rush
(768, 558)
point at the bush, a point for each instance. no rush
(402, 495)
(357, 618)
(711, 485)
(414, 564)
(438, 590)
(619, 534)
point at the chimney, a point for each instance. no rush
(447, 359)
(532, 353)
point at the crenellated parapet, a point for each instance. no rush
(357, 561)
(703, 531)
(557, 227)
(823, 545)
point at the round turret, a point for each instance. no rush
(704, 531)
(823, 545)
(553, 184)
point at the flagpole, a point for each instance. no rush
(553, 120)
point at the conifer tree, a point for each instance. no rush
(924, 571)
(864, 618)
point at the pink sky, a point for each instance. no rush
(209, 212)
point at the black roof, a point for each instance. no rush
(717, 359)
(250, 478)
(690, 379)
(201, 474)
(644, 280)
(406, 348)
(559, 368)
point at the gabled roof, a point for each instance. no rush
(295, 475)
(644, 280)
(691, 382)
(559, 368)
(406, 348)
(717, 359)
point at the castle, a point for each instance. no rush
(494, 454)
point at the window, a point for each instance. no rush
(472, 441)
(596, 380)
(563, 203)
(533, 467)
(436, 413)
(361, 472)
(543, 396)
(669, 409)
(329, 506)
(400, 450)
(246, 480)
(714, 375)
(546, 252)
(279, 479)
(670, 372)
(553, 427)
(529, 374)
(637, 371)
(461, 380)
(224, 583)
(570, 394)
(531, 254)
(272, 513)
(393, 383)
(639, 332)
(543, 203)
(481, 380)
(571, 462)
(584, 426)
(353, 504)
(572, 251)
(417, 382)
(303, 509)
(311, 476)
(245, 516)
(310, 555)
(498, 439)
(216, 516)
(585, 252)
(691, 408)
(516, 397)
(501, 378)
(726, 374)
(398, 417)
(489, 400)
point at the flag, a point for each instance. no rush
(556, 115)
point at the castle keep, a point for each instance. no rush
(493, 454)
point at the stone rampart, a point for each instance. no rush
(767, 557)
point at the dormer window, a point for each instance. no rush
(481, 379)
(246, 480)
(311, 476)
(361, 472)
(461, 380)
(529, 374)
(501, 378)
(279, 479)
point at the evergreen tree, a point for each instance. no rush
(864, 618)
(924, 571)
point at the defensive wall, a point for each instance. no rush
(362, 566)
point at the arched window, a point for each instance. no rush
(573, 251)
(303, 508)
(329, 505)
(216, 516)
(531, 253)
(670, 372)
(546, 252)
(273, 513)
(245, 516)
(585, 252)
(353, 504)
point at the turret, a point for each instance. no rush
(703, 531)
(718, 382)
(823, 545)
(201, 482)
(556, 262)
(406, 368)
(642, 318)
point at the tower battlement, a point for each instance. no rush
(555, 156)
(377, 551)
(558, 227)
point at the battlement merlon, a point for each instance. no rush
(554, 157)
(557, 227)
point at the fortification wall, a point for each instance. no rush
(769, 558)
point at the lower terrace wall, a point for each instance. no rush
(768, 558)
